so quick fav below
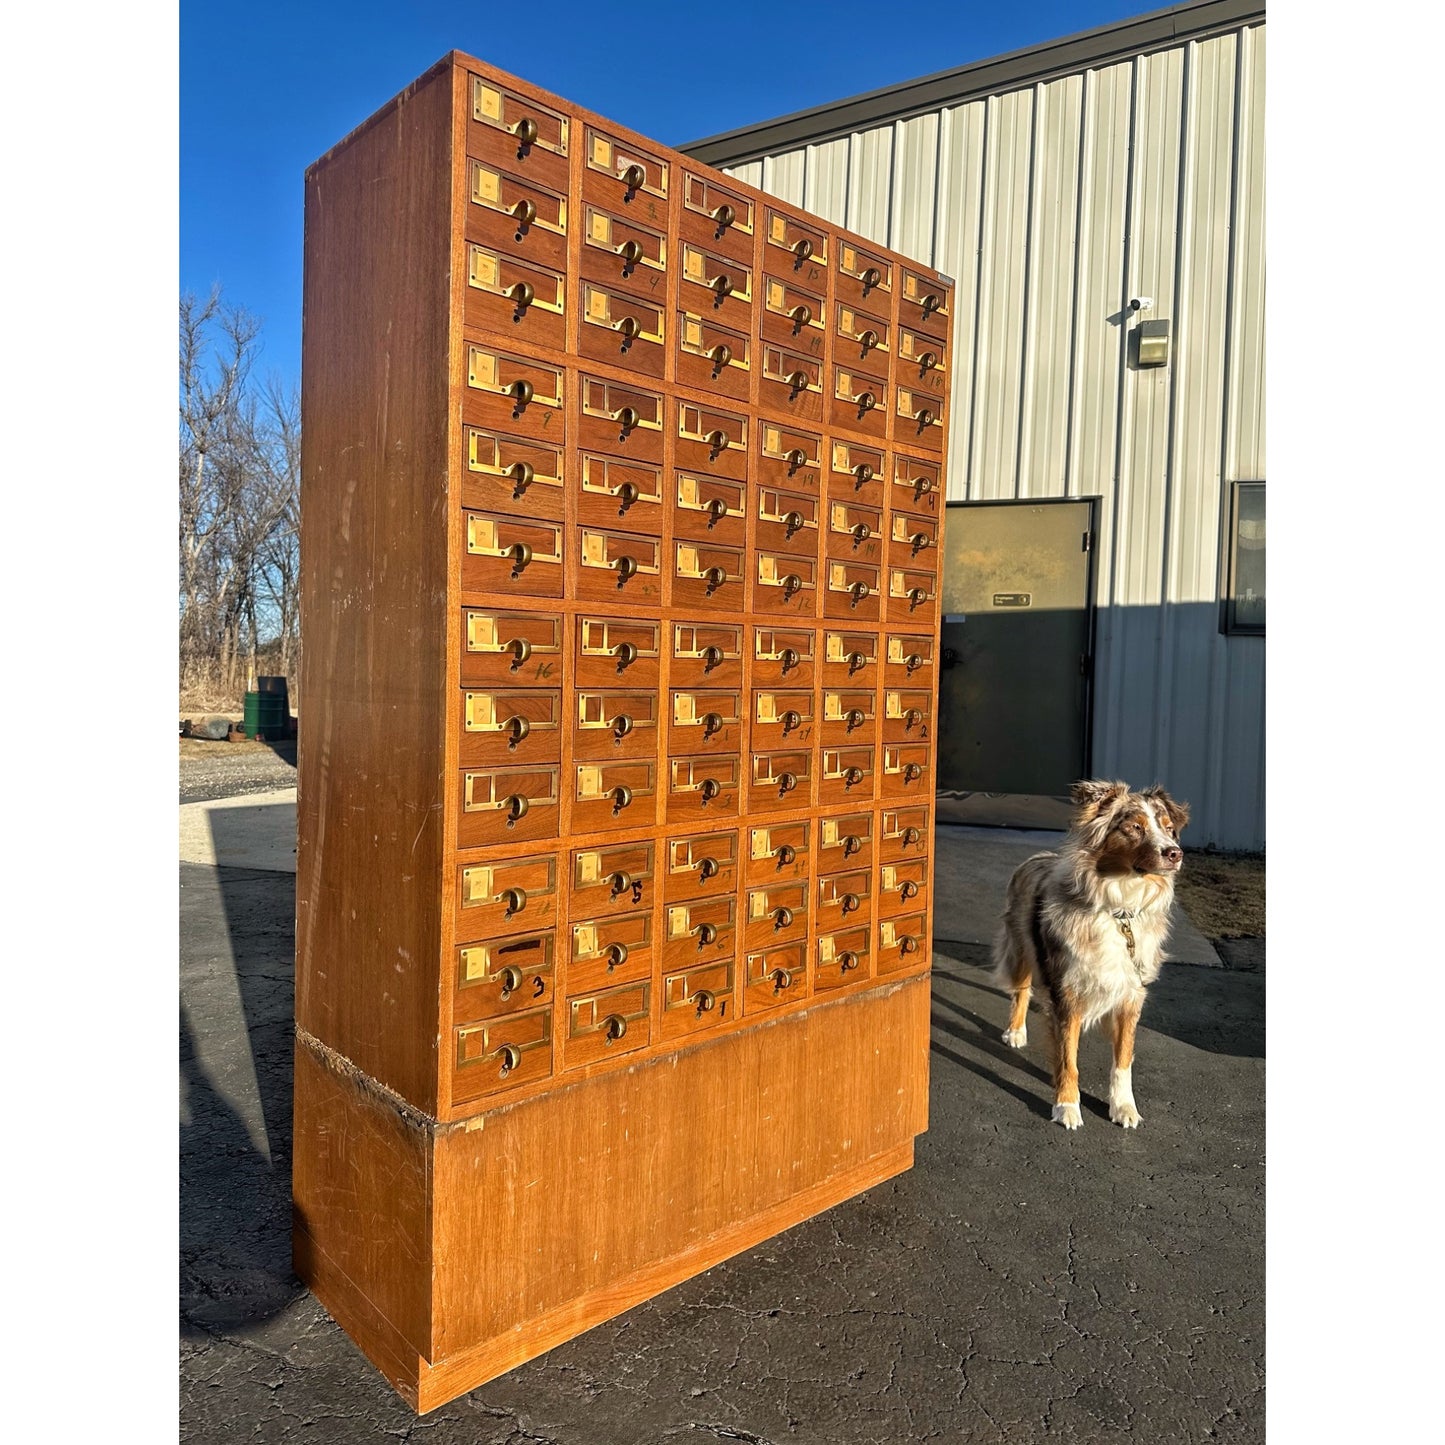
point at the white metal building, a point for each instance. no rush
(1056, 184)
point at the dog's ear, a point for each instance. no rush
(1091, 798)
(1178, 812)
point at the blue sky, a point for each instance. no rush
(266, 88)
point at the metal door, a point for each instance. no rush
(1017, 655)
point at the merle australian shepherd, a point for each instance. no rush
(1087, 925)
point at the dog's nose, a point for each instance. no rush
(1173, 854)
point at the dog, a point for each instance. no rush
(1087, 926)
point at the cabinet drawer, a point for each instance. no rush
(717, 217)
(606, 1024)
(613, 795)
(845, 842)
(924, 301)
(902, 943)
(501, 1053)
(858, 400)
(775, 976)
(710, 509)
(511, 647)
(622, 249)
(864, 278)
(496, 897)
(919, 420)
(616, 724)
(842, 958)
(704, 930)
(907, 770)
(504, 975)
(704, 722)
(616, 173)
(713, 357)
(909, 657)
(799, 245)
(700, 865)
(903, 833)
(778, 781)
(507, 805)
(861, 336)
(712, 439)
(921, 361)
(613, 878)
(510, 726)
(717, 285)
(907, 715)
(783, 656)
(782, 719)
(787, 521)
(850, 716)
(623, 568)
(855, 531)
(850, 659)
(707, 654)
(776, 913)
(516, 396)
(697, 998)
(778, 852)
(528, 137)
(619, 420)
(913, 541)
(612, 492)
(525, 302)
(511, 555)
(708, 576)
(852, 590)
(845, 900)
(623, 328)
(912, 595)
(903, 887)
(516, 215)
(790, 458)
(617, 651)
(703, 790)
(847, 775)
(794, 315)
(916, 485)
(511, 473)
(856, 472)
(785, 585)
(613, 949)
(792, 380)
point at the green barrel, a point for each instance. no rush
(265, 715)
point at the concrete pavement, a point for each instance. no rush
(1019, 1284)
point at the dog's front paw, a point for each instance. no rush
(1068, 1115)
(1016, 1038)
(1123, 1113)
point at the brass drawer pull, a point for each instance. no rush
(627, 494)
(924, 417)
(710, 789)
(793, 522)
(910, 836)
(714, 577)
(723, 285)
(621, 881)
(622, 724)
(869, 339)
(859, 591)
(525, 212)
(711, 657)
(912, 772)
(864, 473)
(870, 278)
(856, 662)
(908, 944)
(711, 723)
(521, 554)
(913, 661)
(803, 250)
(523, 391)
(707, 867)
(520, 649)
(850, 902)
(786, 854)
(781, 978)
(928, 361)
(616, 955)
(866, 402)
(791, 583)
(721, 355)
(634, 176)
(511, 980)
(861, 533)
(716, 510)
(790, 720)
(911, 717)
(908, 888)
(854, 718)
(521, 472)
(801, 315)
(515, 899)
(706, 933)
(614, 1026)
(526, 131)
(717, 439)
(626, 567)
(631, 253)
(626, 654)
(790, 659)
(517, 806)
(852, 843)
(796, 458)
(510, 1056)
(931, 303)
(847, 961)
(852, 777)
(519, 727)
(724, 216)
(629, 326)
(922, 486)
(782, 917)
(787, 782)
(621, 798)
(916, 597)
(705, 999)
(627, 418)
(798, 380)
(522, 293)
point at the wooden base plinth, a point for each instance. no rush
(453, 1253)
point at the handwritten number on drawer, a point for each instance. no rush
(637, 892)
(541, 987)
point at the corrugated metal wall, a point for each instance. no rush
(1052, 206)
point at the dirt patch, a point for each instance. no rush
(205, 750)
(1223, 893)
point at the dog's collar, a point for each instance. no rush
(1123, 917)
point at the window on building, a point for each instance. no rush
(1244, 589)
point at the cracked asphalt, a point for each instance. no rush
(1020, 1283)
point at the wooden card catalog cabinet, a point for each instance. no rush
(621, 522)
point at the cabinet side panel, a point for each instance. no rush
(374, 505)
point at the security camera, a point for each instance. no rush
(1140, 303)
